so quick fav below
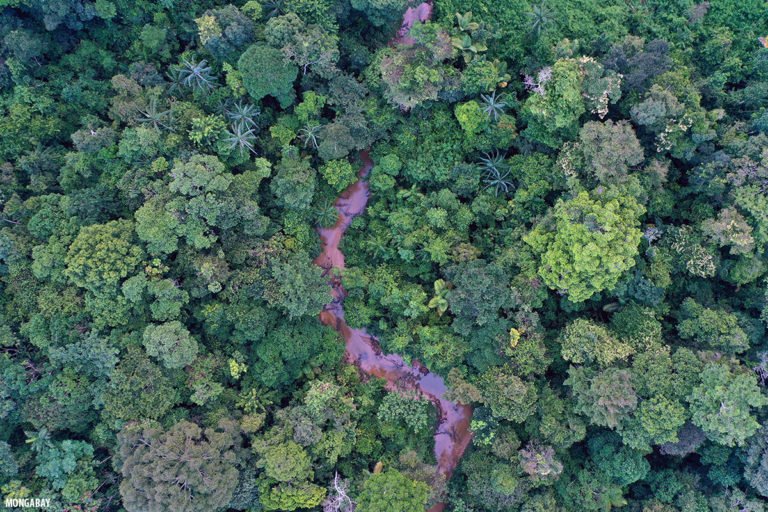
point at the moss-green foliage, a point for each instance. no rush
(584, 342)
(411, 411)
(716, 329)
(508, 396)
(102, 255)
(339, 174)
(391, 490)
(292, 497)
(606, 397)
(590, 245)
(294, 183)
(200, 200)
(296, 286)
(471, 118)
(138, 389)
(662, 419)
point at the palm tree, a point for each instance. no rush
(540, 16)
(493, 160)
(154, 116)
(468, 48)
(380, 246)
(241, 137)
(496, 172)
(245, 113)
(494, 105)
(465, 23)
(327, 215)
(39, 440)
(497, 181)
(309, 135)
(274, 8)
(193, 75)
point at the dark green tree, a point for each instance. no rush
(722, 404)
(266, 72)
(137, 390)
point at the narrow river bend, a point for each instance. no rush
(452, 434)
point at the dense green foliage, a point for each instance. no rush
(568, 222)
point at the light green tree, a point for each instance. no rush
(102, 255)
(712, 328)
(584, 341)
(339, 174)
(394, 492)
(587, 244)
(288, 471)
(662, 419)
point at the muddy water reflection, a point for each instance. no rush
(452, 434)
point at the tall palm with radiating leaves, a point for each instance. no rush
(242, 138)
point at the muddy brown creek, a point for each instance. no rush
(452, 433)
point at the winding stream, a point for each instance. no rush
(452, 434)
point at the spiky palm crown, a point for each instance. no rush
(492, 160)
(274, 8)
(326, 214)
(193, 75)
(498, 182)
(496, 173)
(244, 113)
(242, 138)
(156, 117)
(494, 105)
(540, 17)
(309, 135)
